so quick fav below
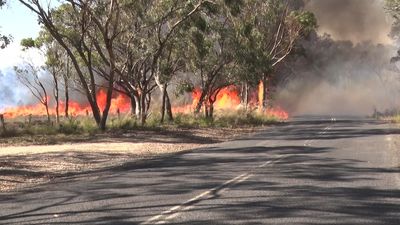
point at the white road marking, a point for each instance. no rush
(190, 204)
(192, 200)
(265, 164)
(325, 131)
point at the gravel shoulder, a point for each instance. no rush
(29, 161)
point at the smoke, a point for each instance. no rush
(346, 98)
(9, 94)
(354, 20)
(12, 92)
(340, 78)
(344, 68)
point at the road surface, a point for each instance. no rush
(308, 171)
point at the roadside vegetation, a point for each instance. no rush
(394, 118)
(78, 146)
(388, 115)
(147, 50)
(85, 126)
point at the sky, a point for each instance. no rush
(21, 23)
(18, 21)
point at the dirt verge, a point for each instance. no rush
(29, 161)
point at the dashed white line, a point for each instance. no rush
(172, 211)
(189, 204)
(325, 131)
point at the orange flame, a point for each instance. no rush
(278, 113)
(119, 103)
(229, 99)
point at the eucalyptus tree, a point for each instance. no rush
(133, 54)
(146, 46)
(267, 32)
(169, 65)
(54, 65)
(210, 51)
(86, 30)
(58, 65)
(171, 19)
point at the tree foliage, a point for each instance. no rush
(137, 46)
(393, 7)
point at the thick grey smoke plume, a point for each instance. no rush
(354, 20)
(348, 70)
(339, 78)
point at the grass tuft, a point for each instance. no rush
(87, 126)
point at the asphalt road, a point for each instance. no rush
(308, 171)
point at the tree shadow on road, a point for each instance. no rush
(343, 129)
(301, 185)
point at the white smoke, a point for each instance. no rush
(12, 92)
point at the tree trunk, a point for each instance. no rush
(133, 105)
(148, 102)
(264, 95)
(246, 96)
(201, 102)
(165, 101)
(211, 110)
(210, 105)
(103, 122)
(106, 110)
(2, 123)
(206, 110)
(138, 106)
(56, 97)
(46, 105)
(163, 90)
(66, 91)
(168, 107)
(143, 113)
(57, 110)
(66, 99)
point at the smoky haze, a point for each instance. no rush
(346, 68)
(354, 20)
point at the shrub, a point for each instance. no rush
(224, 119)
(71, 126)
(88, 125)
(125, 123)
(41, 129)
(9, 132)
